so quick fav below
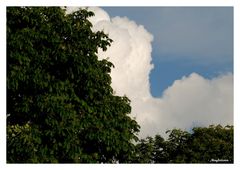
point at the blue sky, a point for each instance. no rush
(186, 40)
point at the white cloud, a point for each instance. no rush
(193, 100)
(197, 100)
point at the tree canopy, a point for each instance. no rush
(213, 144)
(60, 105)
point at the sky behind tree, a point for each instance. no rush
(186, 40)
(178, 77)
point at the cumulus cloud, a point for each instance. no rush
(192, 100)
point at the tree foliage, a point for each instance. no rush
(213, 144)
(59, 98)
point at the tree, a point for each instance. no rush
(144, 151)
(178, 146)
(151, 150)
(161, 154)
(60, 102)
(213, 144)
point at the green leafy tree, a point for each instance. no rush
(144, 151)
(178, 146)
(213, 144)
(60, 103)
(160, 150)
